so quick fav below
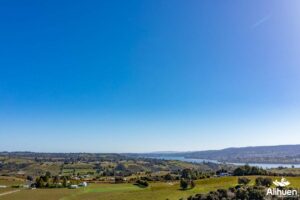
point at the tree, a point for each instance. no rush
(168, 177)
(213, 195)
(65, 184)
(256, 194)
(222, 193)
(238, 172)
(120, 167)
(184, 184)
(29, 178)
(243, 180)
(267, 182)
(44, 178)
(258, 181)
(186, 174)
(40, 183)
(56, 179)
(48, 174)
(248, 170)
(242, 193)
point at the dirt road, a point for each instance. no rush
(9, 192)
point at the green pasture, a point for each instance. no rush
(159, 190)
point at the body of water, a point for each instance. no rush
(195, 160)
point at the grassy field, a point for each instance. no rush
(9, 181)
(158, 191)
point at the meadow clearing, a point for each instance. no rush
(157, 190)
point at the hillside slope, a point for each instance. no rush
(258, 154)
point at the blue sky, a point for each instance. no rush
(140, 76)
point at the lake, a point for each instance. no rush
(195, 160)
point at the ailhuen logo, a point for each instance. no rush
(282, 183)
(279, 191)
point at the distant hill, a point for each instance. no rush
(259, 154)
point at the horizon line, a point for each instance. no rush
(152, 152)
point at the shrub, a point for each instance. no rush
(142, 183)
(168, 177)
(260, 181)
(243, 181)
(184, 184)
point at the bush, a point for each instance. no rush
(16, 186)
(222, 193)
(184, 184)
(260, 181)
(244, 192)
(168, 177)
(243, 181)
(142, 183)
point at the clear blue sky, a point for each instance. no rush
(140, 76)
